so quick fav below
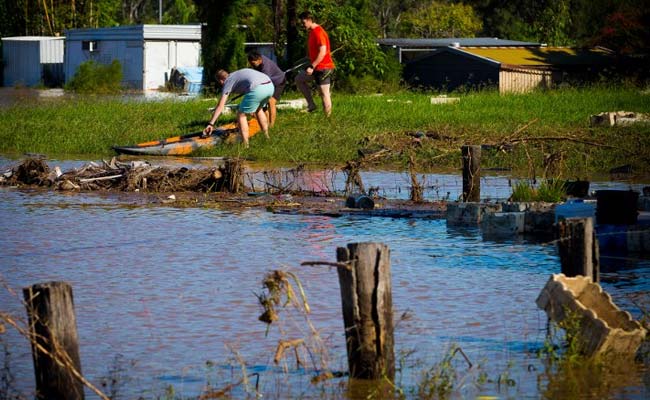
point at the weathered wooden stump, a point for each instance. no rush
(366, 297)
(53, 330)
(578, 248)
(233, 175)
(471, 173)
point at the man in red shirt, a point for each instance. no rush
(321, 67)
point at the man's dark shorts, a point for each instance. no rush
(277, 93)
(323, 76)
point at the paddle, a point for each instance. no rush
(305, 61)
(217, 131)
(301, 63)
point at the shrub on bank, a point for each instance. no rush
(93, 77)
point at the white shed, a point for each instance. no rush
(33, 60)
(147, 52)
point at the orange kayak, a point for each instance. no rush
(186, 144)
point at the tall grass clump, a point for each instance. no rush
(549, 191)
(93, 77)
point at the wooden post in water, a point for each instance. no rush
(53, 329)
(367, 302)
(578, 248)
(471, 173)
(233, 175)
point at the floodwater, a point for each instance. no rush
(15, 95)
(166, 297)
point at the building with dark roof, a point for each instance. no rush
(408, 49)
(511, 69)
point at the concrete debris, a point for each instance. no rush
(613, 118)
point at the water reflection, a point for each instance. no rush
(170, 293)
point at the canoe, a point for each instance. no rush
(603, 327)
(186, 144)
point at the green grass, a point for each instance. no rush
(88, 127)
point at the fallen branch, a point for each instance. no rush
(567, 139)
(328, 263)
(101, 178)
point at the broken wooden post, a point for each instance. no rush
(233, 175)
(471, 173)
(578, 248)
(367, 303)
(55, 347)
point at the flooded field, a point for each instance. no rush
(10, 96)
(166, 297)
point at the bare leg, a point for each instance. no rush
(302, 82)
(264, 123)
(327, 98)
(272, 111)
(243, 127)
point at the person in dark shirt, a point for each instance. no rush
(267, 66)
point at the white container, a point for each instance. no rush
(575, 208)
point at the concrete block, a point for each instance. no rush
(503, 223)
(444, 100)
(603, 327)
(297, 104)
(539, 222)
(638, 239)
(644, 203)
(468, 213)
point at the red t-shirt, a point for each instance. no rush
(317, 38)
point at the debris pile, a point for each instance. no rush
(132, 176)
(618, 118)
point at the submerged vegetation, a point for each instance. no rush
(541, 134)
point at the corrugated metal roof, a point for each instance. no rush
(541, 56)
(32, 38)
(444, 42)
(137, 32)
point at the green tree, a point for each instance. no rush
(554, 23)
(388, 14)
(222, 37)
(257, 15)
(352, 33)
(437, 19)
(180, 12)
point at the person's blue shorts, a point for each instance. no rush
(256, 98)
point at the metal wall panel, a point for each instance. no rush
(523, 80)
(161, 56)
(129, 56)
(31, 61)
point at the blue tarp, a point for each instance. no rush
(190, 79)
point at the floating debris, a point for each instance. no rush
(132, 176)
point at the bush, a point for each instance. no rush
(550, 191)
(93, 77)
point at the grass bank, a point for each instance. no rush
(541, 133)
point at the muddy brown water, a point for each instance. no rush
(166, 296)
